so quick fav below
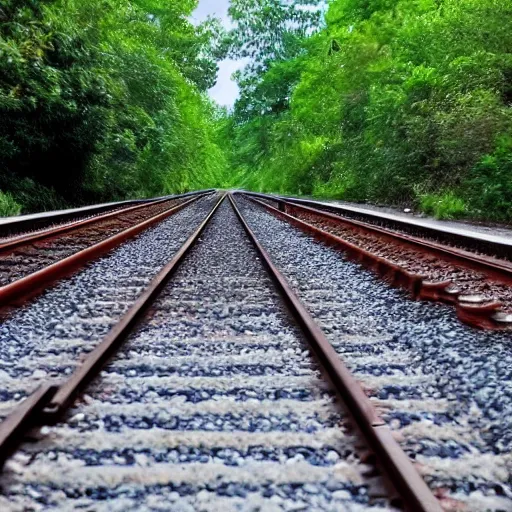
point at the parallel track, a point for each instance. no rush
(483, 244)
(141, 342)
(30, 262)
(18, 226)
(479, 286)
(128, 213)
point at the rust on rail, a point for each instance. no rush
(492, 266)
(487, 316)
(49, 401)
(22, 419)
(395, 464)
(29, 238)
(31, 284)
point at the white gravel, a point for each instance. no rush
(213, 404)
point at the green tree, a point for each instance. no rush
(105, 99)
(53, 100)
(396, 101)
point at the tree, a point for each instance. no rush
(53, 99)
(105, 99)
(270, 33)
(397, 101)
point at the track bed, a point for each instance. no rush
(222, 395)
(213, 403)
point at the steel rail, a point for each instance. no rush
(47, 403)
(472, 241)
(12, 226)
(494, 267)
(31, 284)
(22, 419)
(29, 238)
(395, 464)
(479, 314)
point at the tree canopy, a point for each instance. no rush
(390, 101)
(403, 102)
(105, 99)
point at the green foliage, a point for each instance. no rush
(52, 102)
(271, 30)
(270, 34)
(104, 99)
(443, 206)
(489, 186)
(8, 206)
(391, 101)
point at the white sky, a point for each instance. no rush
(226, 91)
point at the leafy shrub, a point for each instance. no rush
(8, 206)
(103, 100)
(443, 206)
(489, 185)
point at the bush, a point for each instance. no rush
(443, 206)
(489, 187)
(8, 206)
(390, 102)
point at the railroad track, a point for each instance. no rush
(217, 389)
(479, 242)
(478, 285)
(73, 315)
(30, 261)
(11, 227)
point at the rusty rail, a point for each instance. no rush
(483, 316)
(22, 419)
(29, 238)
(13, 226)
(47, 403)
(392, 459)
(471, 241)
(31, 284)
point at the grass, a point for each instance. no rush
(445, 206)
(8, 206)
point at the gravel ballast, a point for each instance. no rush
(47, 337)
(214, 403)
(444, 388)
(32, 257)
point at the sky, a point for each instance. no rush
(226, 91)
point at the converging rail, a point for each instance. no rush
(225, 360)
(491, 245)
(50, 403)
(16, 226)
(30, 261)
(478, 286)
